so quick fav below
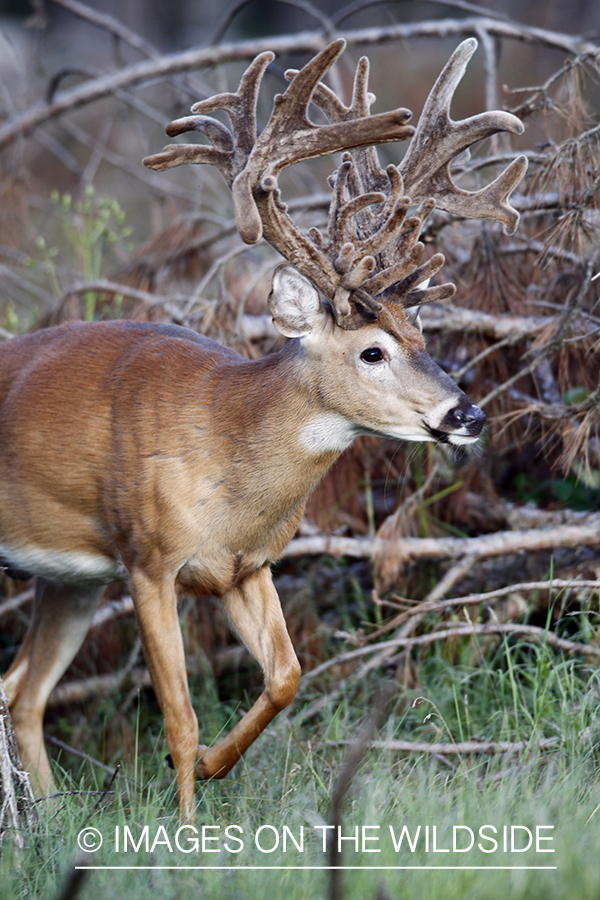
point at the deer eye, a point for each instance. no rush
(371, 355)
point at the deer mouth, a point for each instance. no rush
(452, 437)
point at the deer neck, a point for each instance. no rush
(282, 419)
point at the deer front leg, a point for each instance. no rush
(160, 632)
(255, 612)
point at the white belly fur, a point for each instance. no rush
(61, 566)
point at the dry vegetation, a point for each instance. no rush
(473, 540)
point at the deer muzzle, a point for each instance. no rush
(462, 424)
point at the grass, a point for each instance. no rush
(283, 788)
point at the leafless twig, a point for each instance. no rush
(15, 602)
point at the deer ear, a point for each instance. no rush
(413, 317)
(294, 302)
(413, 313)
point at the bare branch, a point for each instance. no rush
(98, 686)
(353, 8)
(95, 762)
(486, 597)
(306, 42)
(499, 544)
(110, 24)
(531, 632)
(468, 748)
(16, 601)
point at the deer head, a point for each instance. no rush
(369, 266)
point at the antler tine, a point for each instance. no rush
(399, 280)
(214, 131)
(174, 155)
(340, 227)
(360, 107)
(427, 173)
(229, 152)
(338, 184)
(241, 106)
(344, 246)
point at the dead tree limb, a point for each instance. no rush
(110, 24)
(408, 549)
(151, 70)
(486, 597)
(453, 319)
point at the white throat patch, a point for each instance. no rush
(327, 431)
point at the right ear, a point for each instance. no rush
(294, 302)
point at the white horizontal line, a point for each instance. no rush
(346, 868)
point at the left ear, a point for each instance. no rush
(413, 317)
(413, 312)
(294, 302)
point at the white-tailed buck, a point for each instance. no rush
(151, 453)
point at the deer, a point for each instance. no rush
(150, 453)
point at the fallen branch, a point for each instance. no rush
(80, 755)
(104, 286)
(455, 749)
(457, 320)
(252, 328)
(534, 517)
(80, 690)
(111, 610)
(487, 597)
(409, 549)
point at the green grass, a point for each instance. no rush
(287, 780)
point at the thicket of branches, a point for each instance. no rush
(474, 539)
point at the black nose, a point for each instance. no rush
(467, 416)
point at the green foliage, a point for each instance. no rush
(571, 492)
(89, 232)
